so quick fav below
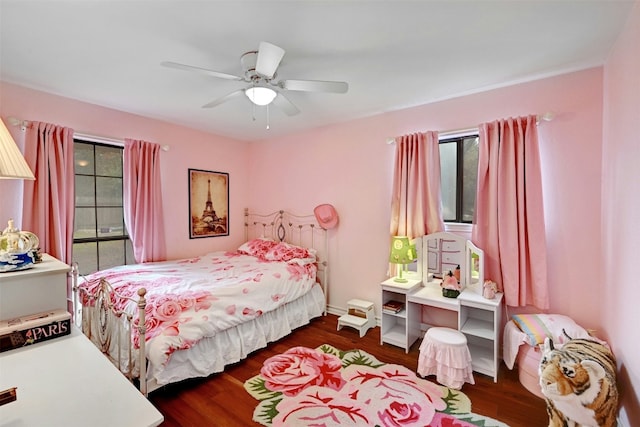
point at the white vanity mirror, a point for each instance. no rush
(443, 252)
(475, 267)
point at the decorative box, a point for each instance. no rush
(450, 293)
(16, 261)
(34, 328)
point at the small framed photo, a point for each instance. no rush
(208, 203)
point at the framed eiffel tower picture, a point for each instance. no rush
(208, 203)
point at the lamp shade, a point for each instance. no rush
(260, 95)
(12, 163)
(402, 252)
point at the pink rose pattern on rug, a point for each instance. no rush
(327, 387)
(194, 298)
(299, 368)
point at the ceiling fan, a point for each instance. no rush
(260, 72)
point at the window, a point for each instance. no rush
(100, 239)
(458, 177)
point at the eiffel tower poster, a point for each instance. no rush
(208, 203)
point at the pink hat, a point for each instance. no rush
(326, 215)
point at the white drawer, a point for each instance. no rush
(451, 258)
(450, 246)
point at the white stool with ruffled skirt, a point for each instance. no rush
(444, 353)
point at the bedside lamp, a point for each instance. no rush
(18, 249)
(402, 253)
(12, 164)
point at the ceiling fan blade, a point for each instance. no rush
(283, 103)
(225, 98)
(200, 70)
(269, 57)
(315, 86)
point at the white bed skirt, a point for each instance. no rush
(211, 355)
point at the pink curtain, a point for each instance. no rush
(509, 220)
(415, 205)
(49, 201)
(143, 210)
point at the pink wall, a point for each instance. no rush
(350, 165)
(188, 149)
(621, 211)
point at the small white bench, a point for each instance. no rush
(360, 315)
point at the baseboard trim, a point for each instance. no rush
(338, 311)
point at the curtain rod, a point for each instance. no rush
(99, 139)
(88, 137)
(546, 117)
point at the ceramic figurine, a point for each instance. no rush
(489, 289)
(16, 248)
(450, 286)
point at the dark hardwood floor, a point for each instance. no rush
(220, 400)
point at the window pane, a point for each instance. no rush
(86, 255)
(108, 161)
(448, 174)
(99, 208)
(83, 158)
(84, 223)
(111, 253)
(109, 191)
(469, 178)
(110, 223)
(85, 190)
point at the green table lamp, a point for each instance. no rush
(402, 253)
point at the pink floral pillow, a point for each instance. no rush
(257, 247)
(283, 251)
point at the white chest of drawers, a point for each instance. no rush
(38, 289)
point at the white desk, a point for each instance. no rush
(67, 382)
(478, 318)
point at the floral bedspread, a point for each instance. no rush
(194, 298)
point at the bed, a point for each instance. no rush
(168, 321)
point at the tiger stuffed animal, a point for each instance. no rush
(579, 383)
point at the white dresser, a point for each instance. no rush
(38, 289)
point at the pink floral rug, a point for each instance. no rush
(327, 387)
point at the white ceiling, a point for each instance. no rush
(393, 54)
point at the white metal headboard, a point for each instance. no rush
(300, 230)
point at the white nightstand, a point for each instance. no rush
(360, 316)
(36, 290)
(400, 328)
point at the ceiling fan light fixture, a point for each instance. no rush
(260, 95)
